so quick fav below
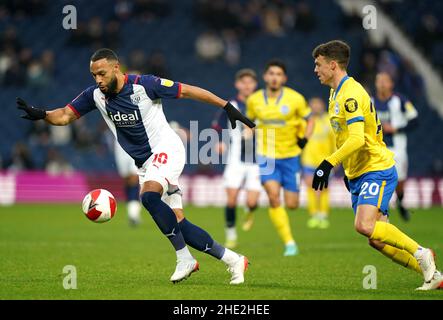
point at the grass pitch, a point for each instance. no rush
(114, 261)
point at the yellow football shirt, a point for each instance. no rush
(321, 144)
(277, 120)
(351, 103)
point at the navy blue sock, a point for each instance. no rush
(230, 216)
(164, 217)
(400, 196)
(200, 240)
(131, 192)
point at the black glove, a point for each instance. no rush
(321, 175)
(234, 114)
(32, 113)
(346, 181)
(302, 142)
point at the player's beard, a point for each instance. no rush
(274, 87)
(111, 87)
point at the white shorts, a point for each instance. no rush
(165, 166)
(237, 175)
(401, 163)
(125, 164)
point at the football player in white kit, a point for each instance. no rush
(241, 169)
(398, 117)
(131, 107)
(128, 172)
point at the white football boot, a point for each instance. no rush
(435, 283)
(427, 263)
(184, 269)
(237, 270)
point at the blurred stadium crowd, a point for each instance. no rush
(191, 41)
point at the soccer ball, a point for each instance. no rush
(99, 205)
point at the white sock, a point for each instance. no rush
(230, 257)
(231, 233)
(184, 254)
(419, 252)
(134, 209)
(290, 243)
(322, 216)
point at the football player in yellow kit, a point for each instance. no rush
(369, 165)
(278, 111)
(320, 145)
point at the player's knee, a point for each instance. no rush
(150, 200)
(364, 227)
(231, 203)
(252, 205)
(132, 180)
(292, 205)
(274, 200)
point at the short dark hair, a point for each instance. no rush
(275, 63)
(246, 72)
(336, 50)
(104, 53)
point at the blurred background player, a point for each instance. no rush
(241, 168)
(320, 145)
(278, 111)
(128, 171)
(398, 116)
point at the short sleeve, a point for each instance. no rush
(303, 110)
(250, 112)
(353, 109)
(158, 88)
(83, 103)
(410, 111)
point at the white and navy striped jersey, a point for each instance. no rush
(240, 149)
(134, 115)
(398, 112)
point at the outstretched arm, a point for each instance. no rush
(202, 95)
(58, 117)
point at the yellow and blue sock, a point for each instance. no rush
(312, 202)
(280, 219)
(391, 235)
(324, 202)
(401, 257)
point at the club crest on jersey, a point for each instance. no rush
(284, 109)
(351, 105)
(337, 107)
(124, 119)
(135, 98)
